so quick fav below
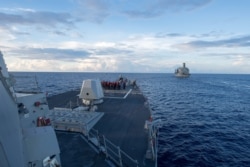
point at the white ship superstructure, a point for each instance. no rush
(26, 139)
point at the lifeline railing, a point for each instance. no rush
(100, 142)
(26, 83)
(111, 151)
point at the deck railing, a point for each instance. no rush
(113, 152)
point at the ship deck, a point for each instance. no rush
(125, 113)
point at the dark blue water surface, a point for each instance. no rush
(205, 118)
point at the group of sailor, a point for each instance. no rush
(119, 84)
(114, 85)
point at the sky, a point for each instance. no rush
(149, 36)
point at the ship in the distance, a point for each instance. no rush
(182, 72)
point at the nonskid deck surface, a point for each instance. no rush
(75, 152)
(63, 99)
(123, 123)
(123, 120)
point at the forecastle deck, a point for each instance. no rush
(125, 112)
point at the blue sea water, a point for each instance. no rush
(205, 118)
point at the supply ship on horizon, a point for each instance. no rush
(182, 72)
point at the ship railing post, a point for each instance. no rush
(119, 155)
(152, 147)
(80, 127)
(151, 141)
(154, 141)
(156, 157)
(98, 140)
(137, 165)
(86, 131)
(105, 146)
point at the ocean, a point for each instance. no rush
(205, 118)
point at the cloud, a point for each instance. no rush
(165, 35)
(51, 54)
(156, 8)
(242, 41)
(136, 53)
(241, 61)
(98, 10)
(5, 35)
(30, 17)
(112, 51)
(49, 59)
(227, 55)
(60, 33)
(34, 65)
(99, 56)
(110, 63)
(92, 10)
(95, 11)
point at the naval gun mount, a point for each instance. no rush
(91, 92)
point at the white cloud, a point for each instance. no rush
(239, 61)
(15, 64)
(137, 54)
(5, 35)
(104, 44)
